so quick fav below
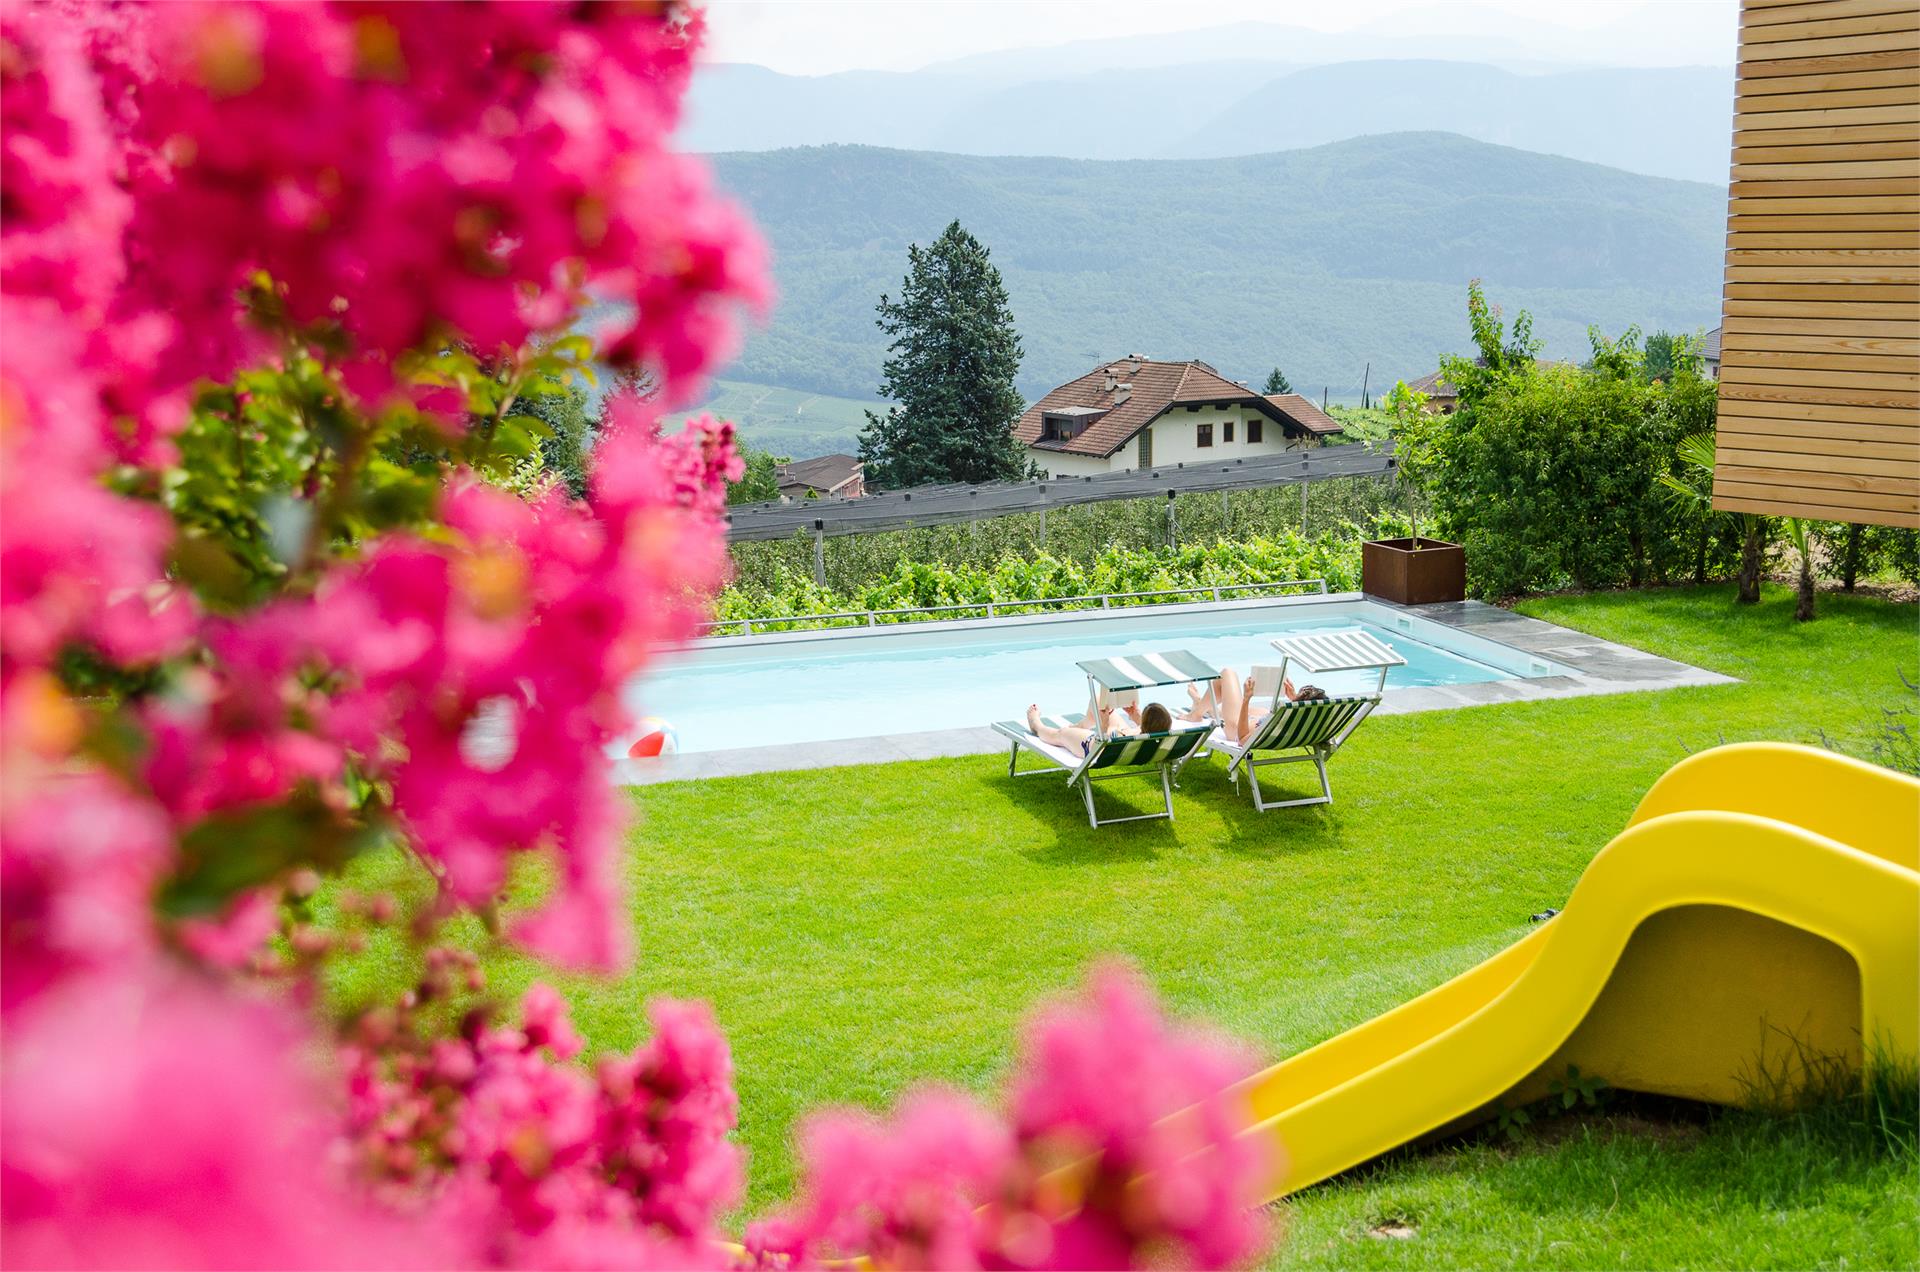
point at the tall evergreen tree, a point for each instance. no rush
(950, 369)
(1277, 382)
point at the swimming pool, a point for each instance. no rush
(851, 683)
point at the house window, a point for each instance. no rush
(1203, 434)
(1253, 429)
(1226, 431)
(1146, 448)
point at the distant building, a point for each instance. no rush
(1139, 413)
(1710, 353)
(1442, 397)
(836, 476)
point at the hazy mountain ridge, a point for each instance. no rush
(1319, 260)
(1665, 122)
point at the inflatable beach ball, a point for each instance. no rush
(656, 738)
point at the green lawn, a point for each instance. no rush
(861, 929)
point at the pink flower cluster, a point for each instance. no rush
(542, 612)
(155, 1120)
(76, 563)
(481, 170)
(543, 1163)
(1123, 1150)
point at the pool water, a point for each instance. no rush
(820, 690)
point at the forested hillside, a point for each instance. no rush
(1319, 261)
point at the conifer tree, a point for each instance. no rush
(952, 360)
(1276, 383)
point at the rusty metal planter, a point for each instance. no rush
(1394, 570)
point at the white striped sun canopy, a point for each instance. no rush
(1144, 671)
(1338, 651)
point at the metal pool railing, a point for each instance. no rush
(996, 609)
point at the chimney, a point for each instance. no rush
(1108, 386)
(1121, 393)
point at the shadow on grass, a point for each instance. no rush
(1275, 833)
(1053, 804)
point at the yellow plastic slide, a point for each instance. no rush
(1762, 907)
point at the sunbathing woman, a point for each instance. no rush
(1115, 722)
(1238, 716)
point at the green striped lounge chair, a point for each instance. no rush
(1308, 732)
(1130, 755)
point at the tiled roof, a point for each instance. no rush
(1155, 386)
(1305, 414)
(1710, 347)
(823, 472)
(1433, 385)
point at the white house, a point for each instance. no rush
(1138, 413)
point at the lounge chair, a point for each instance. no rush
(1126, 755)
(1301, 732)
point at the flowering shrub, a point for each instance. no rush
(272, 572)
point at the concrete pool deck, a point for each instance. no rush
(1597, 667)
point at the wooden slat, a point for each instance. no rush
(1897, 490)
(1830, 135)
(1840, 81)
(1859, 194)
(1740, 239)
(1827, 46)
(1798, 443)
(1884, 399)
(1741, 417)
(1903, 468)
(1775, 507)
(1826, 99)
(1859, 500)
(1821, 361)
(1903, 382)
(1762, 121)
(1835, 255)
(1774, 12)
(1767, 303)
(1826, 152)
(1874, 346)
(1850, 224)
(1833, 169)
(1852, 327)
(1827, 65)
(1828, 26)
(1822, 412)
(1767, 199)
(1771, 283)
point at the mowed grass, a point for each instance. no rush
(783, 420)
(860, 930)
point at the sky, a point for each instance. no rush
(817, 37)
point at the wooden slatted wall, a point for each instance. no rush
(1820, 339)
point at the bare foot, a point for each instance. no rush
(1033, 717)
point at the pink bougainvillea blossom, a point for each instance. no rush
(1123, 1151)
(155, 1121)
(540, 613)
(1102, 1076)
(482, 169)
(547, 1162)
(79, 860)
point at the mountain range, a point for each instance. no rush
(1671, 122)
(1338, 263)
